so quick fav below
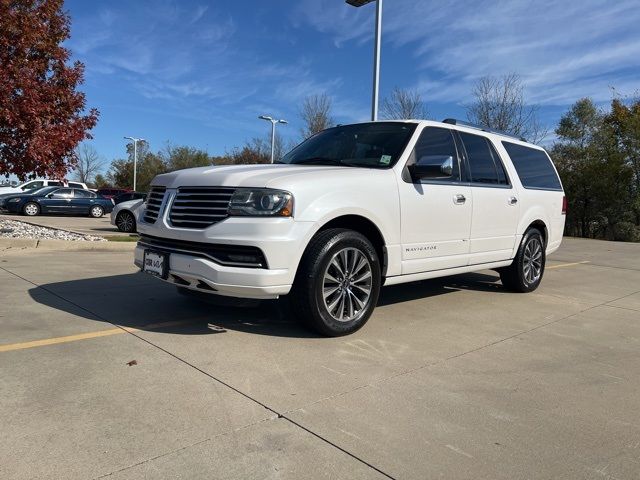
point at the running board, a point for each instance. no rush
(412, 277)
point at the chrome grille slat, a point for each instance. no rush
(199, 207)
(153, 203)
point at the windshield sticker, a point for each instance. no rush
(385, 159)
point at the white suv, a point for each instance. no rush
(354, 208)
(35, 184)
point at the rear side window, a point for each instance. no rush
(75, 185)
(533, 166)
(484, 164)
(54, 183)
(82, 193)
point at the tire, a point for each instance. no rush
(126, 222)
(96, 211)
(525, 273)
(31, 209)
(338, 282)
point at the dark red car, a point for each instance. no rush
(112, 192)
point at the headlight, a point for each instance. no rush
(261, 202)
(14, 200)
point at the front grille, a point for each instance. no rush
(200, 207)
(229, 255)
(154, 201)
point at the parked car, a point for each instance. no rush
(354, 208)
(34, 184)
(111, 192)
(123, 215)
(125, 197)
(69, 201)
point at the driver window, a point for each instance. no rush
(433, 145)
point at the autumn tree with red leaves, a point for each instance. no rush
(42, 116)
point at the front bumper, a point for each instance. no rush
(204, 275)
(281, 241)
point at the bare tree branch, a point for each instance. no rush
(89, 163)
(316, 114)
(404, 104)
(499, 104)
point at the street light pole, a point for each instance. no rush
(135, 158)
(273, 131)
(376, 53)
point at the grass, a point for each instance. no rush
(122, 238)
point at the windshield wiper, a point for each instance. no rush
(317, 161)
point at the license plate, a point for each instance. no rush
(156, 263)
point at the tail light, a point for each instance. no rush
(564, 205)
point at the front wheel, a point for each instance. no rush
(525, 273)
(96, 211)
(31, 209)
(338, 282)
(126, 222)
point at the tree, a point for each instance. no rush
(89, 163)
(100, 181)
(404, 104)
(499, 104)
(254, 151)
(596, 175)
(41, 113)
(316, 114)
(177, 158)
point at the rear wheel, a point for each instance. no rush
(126, 222)
(31, 209)
(96, 211)
(526, 271)
(338, 282)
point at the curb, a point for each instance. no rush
(65, 245)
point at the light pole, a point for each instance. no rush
(376, 53)
(135, 158)
(273, 131)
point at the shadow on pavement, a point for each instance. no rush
(138, 301)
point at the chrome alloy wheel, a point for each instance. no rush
(346, 285)
(97, 211)
(124, 222)
(31, 209)
(532, 260)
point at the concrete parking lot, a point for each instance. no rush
(109, 373)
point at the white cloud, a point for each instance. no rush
(571, 46)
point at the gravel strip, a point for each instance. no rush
(16, 229)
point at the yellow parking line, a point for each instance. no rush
(568, 264)
(84, 336)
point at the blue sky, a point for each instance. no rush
(200, 72)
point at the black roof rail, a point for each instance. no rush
(462, 123)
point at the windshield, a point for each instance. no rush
(368, 145)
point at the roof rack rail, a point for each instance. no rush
(462, 123)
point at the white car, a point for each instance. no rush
(123, 215)
(33, 184)
(354, 208)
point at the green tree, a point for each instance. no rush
(178, 158)
(596, 174)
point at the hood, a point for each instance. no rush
(243, 175)
(129, 205)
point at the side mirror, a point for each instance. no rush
(432, 166)
(50, 195)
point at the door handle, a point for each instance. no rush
(459, 199)
(512, 200)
